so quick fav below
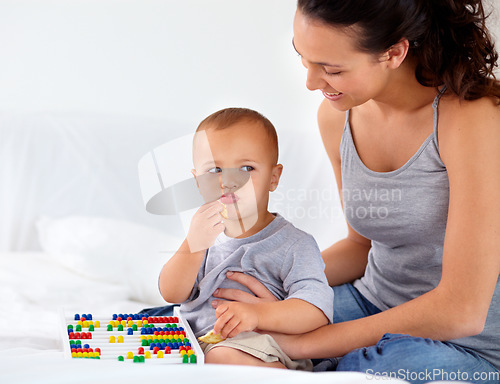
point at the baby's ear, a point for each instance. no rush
(193, 171)
(275, 177)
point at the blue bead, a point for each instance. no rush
(136, 317)
(170, 345)
(187, 344)
(176, 345)
(70, 330)
(77, 317)
(181, 329)
(86, 346)
(130, 331)
(115, 316)
(163, 345)
(144, 331)
(89, 316)
(152, 345)
(120, 315)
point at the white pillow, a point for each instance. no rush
(110, 250)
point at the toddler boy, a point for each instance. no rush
(235, 155)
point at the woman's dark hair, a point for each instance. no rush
(448, 38)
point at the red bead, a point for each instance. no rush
(140, 351)
(119, 319)
(79, 350)
(156, 333)
(181, 348)
(187, 347)
(175, 320)
(155, 350)
(89, 335)
(98, 350)
(167, 350)
(129, 318)
(82, 318)
(76, 335)
(183, 333)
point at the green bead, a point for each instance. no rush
(121, 358)
(110, 327)
(137, 359)
(193, 359)
(91, 328)
(70, 326)
(134, 327)
(120, 327)
(185, 341)
(144, 343)
(72, 342)
(185, 359)
(78, 328)
(142, 359)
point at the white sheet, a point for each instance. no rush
(33, 287)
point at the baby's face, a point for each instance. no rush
(237, 166)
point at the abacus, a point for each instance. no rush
(137, 338)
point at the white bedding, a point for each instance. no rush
(34, 287)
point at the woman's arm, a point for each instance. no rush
(345, 260)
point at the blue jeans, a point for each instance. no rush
(414, 359)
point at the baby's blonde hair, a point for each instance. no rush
(225, 118)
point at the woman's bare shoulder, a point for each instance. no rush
(331, 124)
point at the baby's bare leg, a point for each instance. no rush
(226, 355)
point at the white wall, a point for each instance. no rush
(123, 63)
(155, 58)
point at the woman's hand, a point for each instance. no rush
(260, 293)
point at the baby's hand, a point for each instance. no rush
(234, 318)
(206, 225)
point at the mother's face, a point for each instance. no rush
(346, 76)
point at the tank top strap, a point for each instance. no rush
(435, 106)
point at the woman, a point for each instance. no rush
(411, 112)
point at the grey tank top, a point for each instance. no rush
(404, 213)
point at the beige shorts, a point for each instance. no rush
(263, 347)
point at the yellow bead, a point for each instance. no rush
(112, 339)
(74, 354)
(124, 323)
(147, 355)
(160, 354)
(79, 323)
(130, 355)
(85, 324)
(97, 324)
(139, 323)
(181, 337)
(183, 353)
(145, 322)
(190, 352)
(120, 339)
(79, 354)
(130, 323)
